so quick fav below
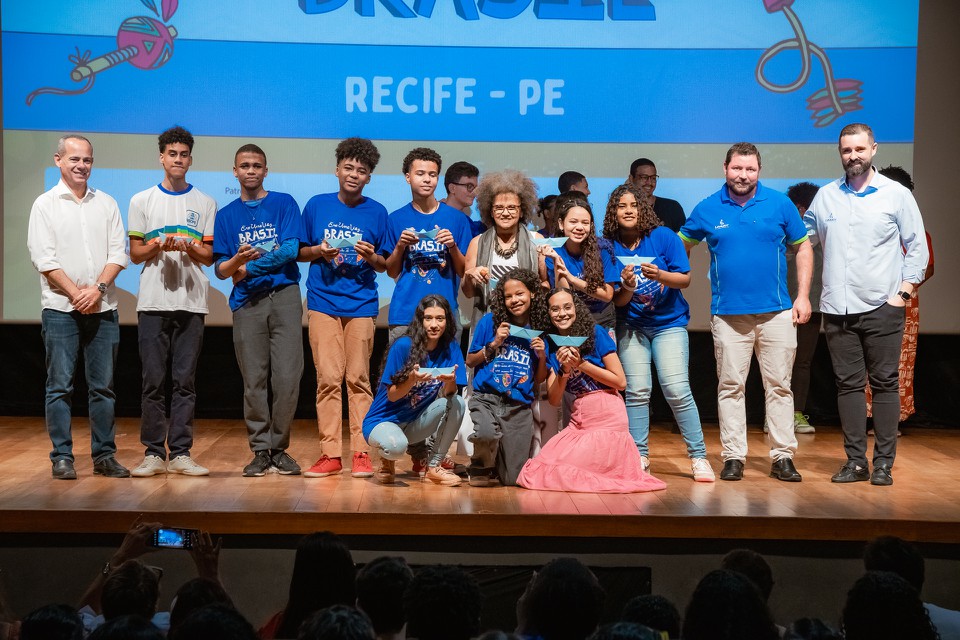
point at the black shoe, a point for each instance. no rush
(63, 470)
(286, 466)
(110, 468)
(850, 472)
(881, 475)
(732, 470)
(783, 469)
(258, 466)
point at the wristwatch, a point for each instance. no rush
(102, 287)
(903, 294)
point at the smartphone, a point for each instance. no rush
(173, 538)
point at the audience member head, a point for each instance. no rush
(802, 194)
(442, 603)
(460, 181)
(625, 631)
(506, 188)
(193, 594)
(52, 622)
(881, 604)
(573, 181)
(899, 174)
(133, 588)
(381, 584)
(752, 565)
(496, 634)
(811, 629)
(562, 601)
(727, 606)
(655, 612)
(889, 553)
(337, 623)
(126, 628)
(216, 622)
(643, 175)
(320, 553)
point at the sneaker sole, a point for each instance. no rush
(705, 478)
(185, 472)
(361, 474)
(479, 482)
(442, 483)
(254, 474)
(320, 474)
(147, 474)
(386, 479)
(804, 430)
(289, 473)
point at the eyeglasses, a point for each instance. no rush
(511, 210)
(466, 185)
(652, 178)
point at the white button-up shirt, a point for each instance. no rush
(78, 236)
(872, 241)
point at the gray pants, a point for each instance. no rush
(502, 432)
(268, 341)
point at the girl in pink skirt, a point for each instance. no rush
(595, 453)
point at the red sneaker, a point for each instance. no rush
(362, 467)
(325, 466)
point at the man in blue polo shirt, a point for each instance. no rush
(749, 228)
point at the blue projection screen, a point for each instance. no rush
(542, 86)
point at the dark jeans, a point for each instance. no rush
(808, 334)
(64, 335)
(502, 433)
(866, 346)
(173, 337)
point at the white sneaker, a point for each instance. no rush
(186, 466)
(702, 472)
(151, 466)
(645, 462)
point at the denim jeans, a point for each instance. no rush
(64, 335)
(669, 350)
(439, 422)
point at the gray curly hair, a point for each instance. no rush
(509, 181)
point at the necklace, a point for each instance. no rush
(509, 251)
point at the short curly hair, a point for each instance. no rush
(647, 220)
(359, 149)
(175, 135)
(509, 181)
(421, 153)
(583, 325)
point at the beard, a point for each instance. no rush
(856, 168)
(741, 189)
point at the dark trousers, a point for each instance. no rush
(808, 334)
(502, 433)
(174, 338)
(866, 346)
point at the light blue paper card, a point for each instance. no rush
(550, 242)
(423, 233)
(264, 246)
(523, 332)
(493, 283)
(345, 241)
(567, 341)
(635, 260)
(436, 371)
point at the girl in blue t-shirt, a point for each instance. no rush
(584, 264)
(652, 319)
(595, 453)
(508, 361)
(417, 396)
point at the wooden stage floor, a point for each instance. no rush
(923, 505)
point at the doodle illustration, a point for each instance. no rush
(144, 42)
(840, 96)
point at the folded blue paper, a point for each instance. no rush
(423, 233)
(264, 246)
(345, 241)
(437, 371)
(550, 242)
(567, 341)
(635, 260)
(523, 332)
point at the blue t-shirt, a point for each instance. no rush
(748, 264)
(476, 227)
(275, 220)
(611, 272)
(347, 285)
(511, 372)
(407, 408)
(427, 267)
(580, 383)
(655, 305)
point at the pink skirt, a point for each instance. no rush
(594, 454)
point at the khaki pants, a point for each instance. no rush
(341, 351)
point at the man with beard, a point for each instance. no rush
(643, 175)
(749, 228)
(874, 257)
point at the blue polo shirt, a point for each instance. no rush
(748, 264)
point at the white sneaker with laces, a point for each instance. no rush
(702, 472)
(151, 466)
(645, 461)
(186, 466)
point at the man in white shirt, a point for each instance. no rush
(75, 239)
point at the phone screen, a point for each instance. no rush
(168, 538)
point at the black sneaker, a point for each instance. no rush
(286, 466)
(258, 466)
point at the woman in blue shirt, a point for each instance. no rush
(413, 404)
(652, 319)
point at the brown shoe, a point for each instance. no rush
(441, 476)
(387, 472)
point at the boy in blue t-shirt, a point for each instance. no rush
(343, 302)
(256, 241)
(426, 242)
